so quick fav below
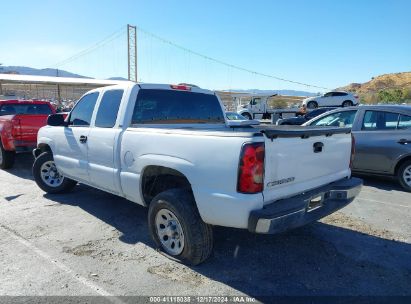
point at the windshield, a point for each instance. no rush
(178, 107)
(337, 119)
(25, 109)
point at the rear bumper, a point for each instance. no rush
(304, 208)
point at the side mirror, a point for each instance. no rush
(56, 120)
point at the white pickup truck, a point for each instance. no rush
(171, 149)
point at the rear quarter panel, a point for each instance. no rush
(210, 164)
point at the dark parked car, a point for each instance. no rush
(299, 120)
(382, 138)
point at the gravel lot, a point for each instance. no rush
(92, 243)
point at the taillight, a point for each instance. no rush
(15, 127)
(352, 150)
(251, 168)
(180, 87)
(356, 96)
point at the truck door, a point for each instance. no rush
(102, 141)
(256, 106)
(70, 152)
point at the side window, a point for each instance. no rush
(339, 119)
(108, 109)
(82, 112)
(255, 101)
(404, 122)
(328, 94)
(379, 120)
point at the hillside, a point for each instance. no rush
(394, 87)
(23, 70)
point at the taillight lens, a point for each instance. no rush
(251, 168)
(352, 150)
(180, 87)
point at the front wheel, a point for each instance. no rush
(6, 158)
(177, 228)
(404, 176)
(48, 178)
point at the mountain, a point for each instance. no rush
(22, 70)
(387, 88)
(382, 82)
(117, 78)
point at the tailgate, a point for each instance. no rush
(303, 158)
(27, 126)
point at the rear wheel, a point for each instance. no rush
(6, 158)
(48, 178)
(177, 228)
(312, 105)
(347, 103)
(404, 176)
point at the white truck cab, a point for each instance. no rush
(170, 148)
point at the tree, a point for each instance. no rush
(390, 96)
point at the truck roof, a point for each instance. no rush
(158, 86)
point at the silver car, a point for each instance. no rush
(382, 138)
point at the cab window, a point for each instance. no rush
(83, 111)
(338, 119)
(108, 109)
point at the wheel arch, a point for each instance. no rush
(157, 178)
(44, 145)
(400, 162)
(245, 111)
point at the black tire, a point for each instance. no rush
(404, 176)
(6, 158)
(198, 236)
(266, 116)
(247, 115)
(312, 105)
(347, 103)
(65, 186)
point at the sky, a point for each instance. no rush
(326, 43)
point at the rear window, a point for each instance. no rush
(25, 109)
(179, 107)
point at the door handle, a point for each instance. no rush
(83, 139)
(404, 141)
(318, 147)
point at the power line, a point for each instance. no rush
(225, 63)
(95, 46)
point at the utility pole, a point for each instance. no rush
(132, 52)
